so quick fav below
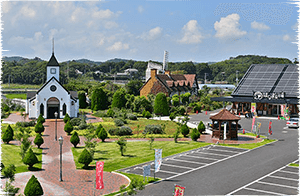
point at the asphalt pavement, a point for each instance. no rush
(229, 175)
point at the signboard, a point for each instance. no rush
(282, 108)
(99, 175)
(258, 128)
(253, 122)
(259, 95)
(158, 159)
(270, 130)
(178, 190)
(253, 109)
(146, 170)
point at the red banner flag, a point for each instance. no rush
(99, 175)
(179, 190)
(270, 130)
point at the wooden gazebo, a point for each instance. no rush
(225, 116)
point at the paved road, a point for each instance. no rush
(229, 175)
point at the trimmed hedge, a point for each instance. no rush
(75, 121)
(38, 140)
(124, 130)
(132, 116)
(85, 158)
(153, 129)
(33, 187)
(119, 122)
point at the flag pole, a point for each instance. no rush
(95, 177)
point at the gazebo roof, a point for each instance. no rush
(225, 115)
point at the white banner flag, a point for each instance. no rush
(146, 170)
(158, 159)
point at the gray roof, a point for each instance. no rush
(269, 78)
(30, 94)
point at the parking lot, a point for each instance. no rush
(284, 181)
(183, 163)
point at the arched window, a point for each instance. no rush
(64, 109)
(42, 109)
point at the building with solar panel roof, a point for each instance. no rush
(267, 89)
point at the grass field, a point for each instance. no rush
(249, 146)
(294, 164)
(16, 129)
(20, 86)
(16, 96)
(136, 153)
(10, 155)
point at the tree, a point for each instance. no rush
(10, 189)
(75, 139)
(161, 106)
(119, 99)
(201, 127)
(30, 159)
(68, 128)
(99, 100)
(122, 145)
(40, 119)
(133, 87)
(67, 118)
(8, 135)
(102, 134)
(82, 99)
(39, 128)
(184, 130)
(148, 115)
(85, 158)
(110, 113)
(38, 140)
(172, 116)
(33, 187)
(195, 134)
(175, 100)
(9, 172)
(185, 98)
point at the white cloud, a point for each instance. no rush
(105, 14)
(191, 33)
(259, 26)
(27, 12)
(118, 46)
(286, 37)
(141, 9)
(110, 24)
(228, 27)
(152, 34)
(295, 26)
(78, 14)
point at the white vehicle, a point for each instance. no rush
(293, 122)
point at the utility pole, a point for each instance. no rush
(237, 79)
(205, 78)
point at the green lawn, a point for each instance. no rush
(251, 134)
(16, 129)
(16, 96)
(136, 153)
(248, 146)
(20, 86)
(10, 155)
(294, 164)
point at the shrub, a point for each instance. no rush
(152, 129)
(85, 158)
(201, 127)
(122, 145)
(38, 140)
(184, 130)
(118, 122)
(40, 119)
(175, 100)
(161, 106)
(119, 99)
(110, 113)
(124, 130)
(113, 131)
(9, 172)
(132, 116)
(144, 113)
(82, 125)
(26, 124)
(39, 128)
(102, 134)
(33, 187)
(100, 114)
(67, 118)
(176, 135)
(8, 135)
(30, 159)
(5, 107)
(172, 116)
(82, 99)
(181, 110)
(98, 129)
(195, 134)
(75, 121)
(68, 128)
(148, 115)
(75, 139)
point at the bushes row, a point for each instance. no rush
(153, 129)
(124, 130)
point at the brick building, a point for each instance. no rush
(170, 84)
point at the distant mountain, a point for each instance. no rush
(13, 58)
(117, 60)
(89, 62)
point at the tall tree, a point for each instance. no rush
(161, 106)
(99, 100)
(133, 87)
(119, 99)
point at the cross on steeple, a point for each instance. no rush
(52, 45)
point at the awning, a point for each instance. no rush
(250, 99)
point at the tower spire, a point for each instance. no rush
(53, 45)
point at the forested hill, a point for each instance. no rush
(33, 71)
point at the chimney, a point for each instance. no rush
(153, 73)
(168, 72)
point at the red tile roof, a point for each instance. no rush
(225, 115)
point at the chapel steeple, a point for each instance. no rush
(52, 66)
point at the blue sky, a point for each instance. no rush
(199, 31)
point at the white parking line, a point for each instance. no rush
(177, 166)
(201, 157)
(268, 175)
(289, 172)
(188, 161)
(258, 190)
(284, 178)
(165, 171)
(274, 184)
(216, 154)
(222, 150)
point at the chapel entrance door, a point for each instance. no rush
(52, 107)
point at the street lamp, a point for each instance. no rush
(61, 140)
(55, 114)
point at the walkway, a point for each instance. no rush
(75, 182)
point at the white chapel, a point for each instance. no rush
(52, 97)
